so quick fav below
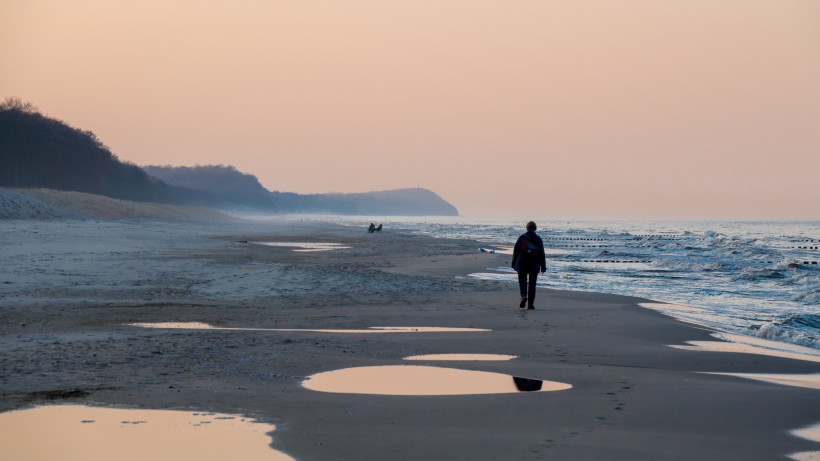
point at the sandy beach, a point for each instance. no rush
(71, 289)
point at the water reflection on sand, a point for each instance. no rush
(205, 326)
(671, 307)
(808, 381)
(424, 380)
(305, 246)
(809, 433)
(77, 432)
(462, 357)
(742, 344)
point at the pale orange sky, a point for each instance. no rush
(576, 108)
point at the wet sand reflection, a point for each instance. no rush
(304, 246)
(77, 432)
(807, 381)
(809, 433)
(671, 307)
(424, 380)
(463, 357)
(741, 344)
(205, 326)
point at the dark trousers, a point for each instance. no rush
(528, 291)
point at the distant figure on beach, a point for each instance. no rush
(379, 228)
(371, 229)
(528, 258)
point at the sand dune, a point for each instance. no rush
(55, 204)
(20, 205)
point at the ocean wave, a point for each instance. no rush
(806, 286)
(732, 243)
(802, 329)
(806, 277)
(755, 273)
(620, 254)
(684, 266)
(804, 321)
(786, 263)
(708, 292)
(811, 296)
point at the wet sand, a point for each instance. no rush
(71, 288)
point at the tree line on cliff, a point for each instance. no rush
(37, 151)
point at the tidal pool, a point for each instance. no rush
(424, 380)
(205, 326)
(305, 246)
(809, 433)
(671, 307)
(810, 381)
(78, 432)
(750, 345)
(463, 357)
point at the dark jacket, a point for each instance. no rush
(529, 257)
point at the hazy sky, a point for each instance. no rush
(653, 108)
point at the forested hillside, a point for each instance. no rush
(228, 186)
(37, 151)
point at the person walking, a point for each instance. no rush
(528, 258)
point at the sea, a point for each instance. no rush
(753, 278)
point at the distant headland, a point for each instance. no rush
(37, 151)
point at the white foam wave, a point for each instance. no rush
(805, 287)
(755, 273)
(810, 296)
(678, 265)
(784, 263)
(775, 332)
